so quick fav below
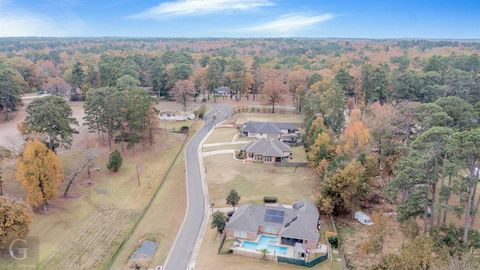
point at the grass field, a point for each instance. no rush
(162, 219)
(83, 230)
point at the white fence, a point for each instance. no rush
(254, 254)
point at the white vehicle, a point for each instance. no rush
(363, 218)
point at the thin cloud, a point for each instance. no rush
(199, 7)
(290, 23)
(20, 22)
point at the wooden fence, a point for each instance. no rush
(292, 164)
(262, 109)
(344, 260)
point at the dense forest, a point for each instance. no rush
(388, 123)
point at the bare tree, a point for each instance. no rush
(182, 91)
(91, 156)
(57, 86)
(273, 93)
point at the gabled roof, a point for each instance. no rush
(268, 147)
(267, 127)
(299, 222)
(300, 226)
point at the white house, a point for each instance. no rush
(174, 116)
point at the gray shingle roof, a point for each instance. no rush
(267, 127)
(222, 90)
(268, 147)
(299, 222)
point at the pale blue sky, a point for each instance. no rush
(242, 18)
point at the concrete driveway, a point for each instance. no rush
(180, 255)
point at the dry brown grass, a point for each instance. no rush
(89, 244)
(69, 233)
(162, 220)
(221, 135)
(354, 233)
(241, 118)
(255, 180)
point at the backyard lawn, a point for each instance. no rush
(255, 180)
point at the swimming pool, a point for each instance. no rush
(268, 242)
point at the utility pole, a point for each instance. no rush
(138, 175)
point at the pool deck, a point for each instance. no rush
(290, 250)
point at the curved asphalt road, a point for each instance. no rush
(183, 247)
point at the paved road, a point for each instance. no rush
(184, 245)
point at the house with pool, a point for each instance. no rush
(290, 231)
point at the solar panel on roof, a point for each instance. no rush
(274, 216)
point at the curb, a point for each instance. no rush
(198, 243)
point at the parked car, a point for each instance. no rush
(363, 218)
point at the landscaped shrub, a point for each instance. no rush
(114, 161)
(333, 240)
(184, 129)
(268, 199)
(240, 155)
(200, 113)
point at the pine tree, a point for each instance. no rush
(114, 161)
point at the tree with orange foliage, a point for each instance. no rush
(273, 92)
(322, 149)
(15, 219)
(200, 80)
(313, 128)
(182, 90)
(354, 140)
(40, 172)
(343, 190)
